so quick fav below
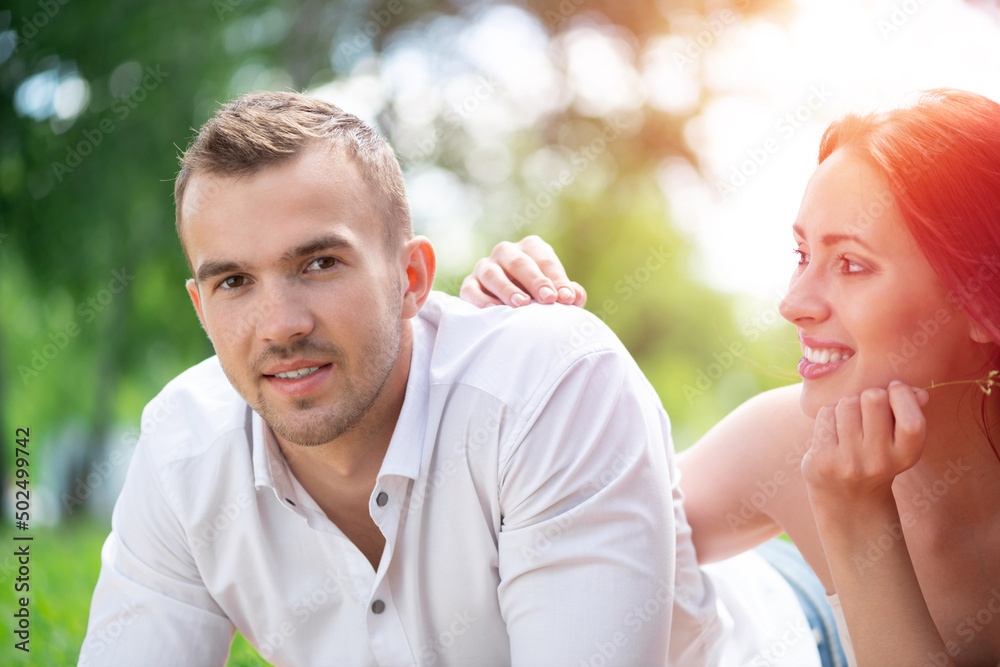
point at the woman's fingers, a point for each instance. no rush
(533, 263)
(850, 428)
(545, 257)
(472, 292)
(820, 460)
(515, 273)
(490, 285)
(876, 417)
(523, 270)
(911, 425)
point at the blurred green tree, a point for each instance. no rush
(98, 98)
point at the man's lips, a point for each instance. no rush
(297, 374)
(293, 366)
(299, 385)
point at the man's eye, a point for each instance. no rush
(322, 263)
(232, 282)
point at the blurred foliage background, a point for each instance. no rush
(547, 117)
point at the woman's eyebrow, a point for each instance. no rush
(834, 238)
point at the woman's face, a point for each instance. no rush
(867, 305)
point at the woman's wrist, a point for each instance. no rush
(859, 514)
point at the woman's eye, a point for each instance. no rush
(322, 263)
(803, 256)
(850, 267)
(232, 282)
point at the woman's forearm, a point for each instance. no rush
(887, 617)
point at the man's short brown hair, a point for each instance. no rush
(258, 130)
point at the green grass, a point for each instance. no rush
(65, 562)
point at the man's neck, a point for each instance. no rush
(349, 465)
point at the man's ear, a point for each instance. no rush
(195, 294)
(419, 262)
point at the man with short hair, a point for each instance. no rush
(369, 473)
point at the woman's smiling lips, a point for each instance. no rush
(821, 357)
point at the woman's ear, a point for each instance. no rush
(979, 333)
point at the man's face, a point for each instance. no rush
(297, 291)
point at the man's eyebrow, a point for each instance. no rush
(834, 239)
(213, 268)
(318, 244)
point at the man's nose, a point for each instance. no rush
(282, 316)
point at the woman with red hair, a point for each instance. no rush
(889, 446)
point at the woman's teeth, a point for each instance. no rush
(295, 375)
(825, 355)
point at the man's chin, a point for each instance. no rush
(303, 437)
(290, 420)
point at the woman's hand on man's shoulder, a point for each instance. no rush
(516, 273)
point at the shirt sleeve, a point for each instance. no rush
(150, 606)
(586, 545)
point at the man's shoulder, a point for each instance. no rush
(556, 325)
(503, 347)
(192, 411)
